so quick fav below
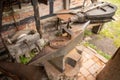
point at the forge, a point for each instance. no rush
(46, 49)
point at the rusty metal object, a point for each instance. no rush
(65, 19)
(59, 42)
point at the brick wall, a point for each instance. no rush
(24, 18)
(26, 14)
(76, 3)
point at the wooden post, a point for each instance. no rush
(97, 29)
(66, 4)
(51, 6)
(2, 39)
(112, 69)
(37, 16)
(1, 14)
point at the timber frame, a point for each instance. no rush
(36, 16)
(66, 5)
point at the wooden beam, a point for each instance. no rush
(66, 4)
(1, 14)
(51, 6)
(37, 16)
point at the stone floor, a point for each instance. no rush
(92, 63)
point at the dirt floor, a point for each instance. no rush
(104, 44)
